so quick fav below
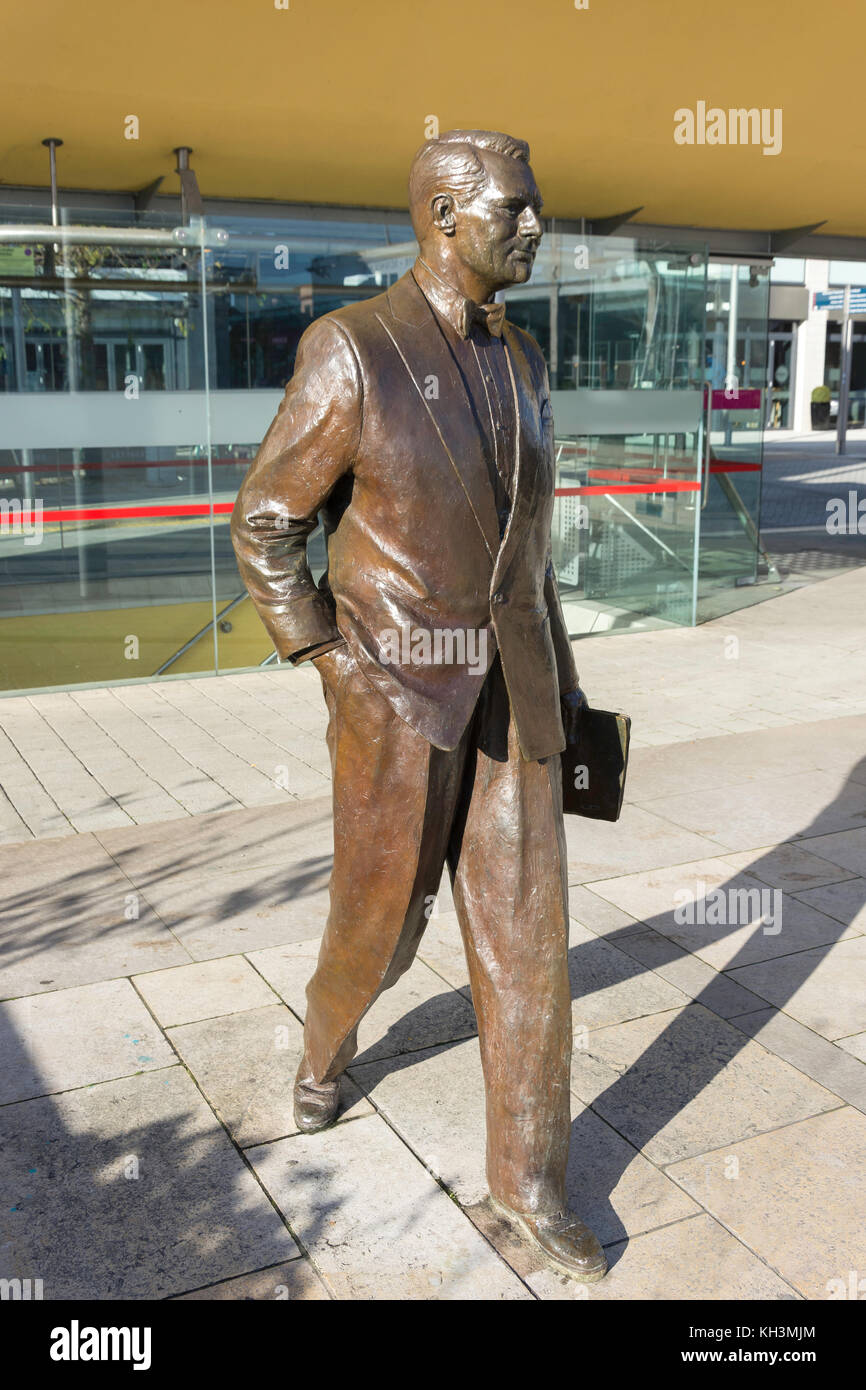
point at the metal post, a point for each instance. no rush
(771, 373)
(846, 346)
(703, 469)
(190, 197)
(731, 373)
(19, 347)
(53, 145)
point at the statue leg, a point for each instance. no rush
(509, 868)
(394, 796)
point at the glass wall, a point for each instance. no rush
(737, 368)
(622, 323)
(140, 366)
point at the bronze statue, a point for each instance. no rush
(417, 427)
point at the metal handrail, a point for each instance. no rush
(106, 236)
(208, 627)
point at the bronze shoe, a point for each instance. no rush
(564, 1241)
(316, 1102)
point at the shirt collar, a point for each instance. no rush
(445, 299)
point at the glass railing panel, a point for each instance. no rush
(624, 529)
(103, 452)
(731, 495)
(738, 408)
(624, 326)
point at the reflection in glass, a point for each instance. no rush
(140, 370)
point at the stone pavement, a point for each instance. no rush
(163, 891)
(135, 754)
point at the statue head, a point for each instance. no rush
(475, 208)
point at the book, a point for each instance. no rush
(594, 766)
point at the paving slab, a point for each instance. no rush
(237, 775)
(71, 916)
(693, 976)
(107, 761)
(640, 839)
(130, 1189)
(653, 773)
(295, 1280)
(598, 915)
(855, 1044)
(239, 864)
(442, 950)
(28, 809)
(847, 848)
(76, 1037)
(767, 810)
(828, 1063)
(159, 761)
(798, 1200)
(243, 910)
(376, 1224)
(418, 1011)
(224, 840)
(695, 1260)
(207, 989)
(846, 902)
(662, 898)
(245, 1063)
(435, 1100)
(787, 867)
(609, 986)
(677, 684)
(66, 938)
(759, 752)
(35, 866)
(64, 777)
(675, 1083)
(824, 988)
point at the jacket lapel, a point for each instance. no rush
(415, 333)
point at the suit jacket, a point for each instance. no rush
(376, 437)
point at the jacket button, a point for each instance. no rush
(498, 598)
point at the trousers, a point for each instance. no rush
(403, 809)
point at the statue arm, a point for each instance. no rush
(310, 445)
(565, 665)
(569, 681)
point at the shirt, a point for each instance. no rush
(481, 360)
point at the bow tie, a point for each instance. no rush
(488, 316)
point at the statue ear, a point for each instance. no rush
(442, 209)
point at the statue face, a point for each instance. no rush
(497, 235)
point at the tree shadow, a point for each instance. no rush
(194, 1215)
(136, 896)
(127, 1186)
(698, 1041)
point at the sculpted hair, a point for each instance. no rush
(451, 164)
